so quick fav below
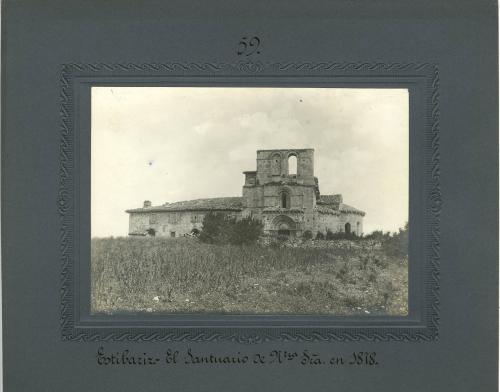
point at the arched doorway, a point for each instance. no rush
(283, 229)
(283, 225)
(348, 228)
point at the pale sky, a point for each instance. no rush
(168, 144)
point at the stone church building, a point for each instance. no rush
(287, 203)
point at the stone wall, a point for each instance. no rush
(325, 222)
(355, 220)
(272, 165)
(336, 223)
(296, 242)
(169, 223)
(138, 222)
(178, 223)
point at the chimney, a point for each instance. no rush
(147, 204)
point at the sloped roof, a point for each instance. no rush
(326, 204)
(335, 203)
(212, 204)
(331, 210)
(330, 199)
(347, 208)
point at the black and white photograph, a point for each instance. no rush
(249, 200)
(214, 196)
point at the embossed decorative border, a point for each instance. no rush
(67, 209)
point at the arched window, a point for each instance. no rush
(276, 165)
(284, 199)
(348, 228)
(292, 165)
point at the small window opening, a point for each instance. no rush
(292, 165)
(276, 165)
(285, 200)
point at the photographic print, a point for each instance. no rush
(249, 200)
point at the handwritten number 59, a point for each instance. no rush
(248, 46)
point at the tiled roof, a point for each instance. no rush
(335, 203)
(347, 208)
(283, 210)
(215, 204)
(330, 199)
(327, 210)
(326, 204)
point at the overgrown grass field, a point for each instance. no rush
(183, 275)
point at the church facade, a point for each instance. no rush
(286, 203)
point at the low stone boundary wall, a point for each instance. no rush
(322, 244)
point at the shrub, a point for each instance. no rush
(307, 235)
(274, 245)
(282, 238)
(214, 229)
(340, 235)
(320, 235)
(396, 245)
(245, 231)
(378, 235)
(219, 229)
(382, 263)
(364, 260)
